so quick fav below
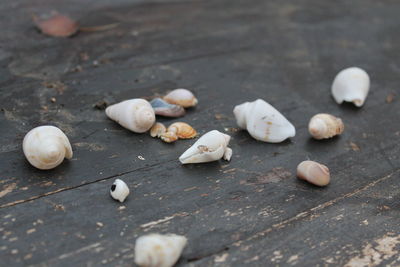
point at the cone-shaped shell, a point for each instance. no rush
(323, 126)
(182, 130)
(210, 147)
(181, 97)
(136, 115)
(351, 85)
(155, 250)
(163, 108)
(45, 147)
(263, 121)
(313, 172)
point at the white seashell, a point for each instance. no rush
(181, 97)
(136, 114)
(351, 85)
(45, 147)
(263, 121)
(325, 126)
(313, 172)
(155, 250)
(210, 147)
(119, 190)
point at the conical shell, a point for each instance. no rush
(136, 115)
(181, 97)
(351, 85)
(182, 130)
(263, 121)
(155, 250)
(210, 147)
(323, 126)
(163, 108)
(313, 172)
(157, 130)
(45, 147)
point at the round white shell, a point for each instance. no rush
(263, 121)
(351, 85)
(210, 147)
(136, 115)
(155, 250)
(119, 190)
(45, 147)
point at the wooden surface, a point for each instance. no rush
(251, 211)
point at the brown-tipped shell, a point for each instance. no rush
(157, 130)
(181, 97)
(169, 137)
(313, 172)
(182, 130)
(323, 126)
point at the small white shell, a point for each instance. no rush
(210, 147)
(351, 85)
(45, 147)
(119, 190)
(323, 126)
(313, 172)
(155, 250)
(181, 97)
(263, 121)
(136, 114)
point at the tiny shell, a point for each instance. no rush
(165, 109)
(313, 172)
(263, 121)
(57, 25)
(119, 190)
(45, 147)
(351, 85)
(211, 146)
(181, 97)
(155, 250)
(169, 137)
(182, 130)
(157, 130)
(136, 114)
(323, 126)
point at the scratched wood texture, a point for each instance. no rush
(251, 211)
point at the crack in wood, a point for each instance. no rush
(10, 204)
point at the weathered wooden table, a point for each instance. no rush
(251, 211)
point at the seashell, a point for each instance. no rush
(263, 121)
(210, 147)
(57, 25)
(155, 250)
(136, 114)
(157, 130)
(323, 126)
(163, 108)
(181, 97)
(351, 85)
(119, 190)
(313, 172)
(169, 137)
(182, 130)
(45, 147)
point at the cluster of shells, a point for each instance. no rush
(45, 147)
